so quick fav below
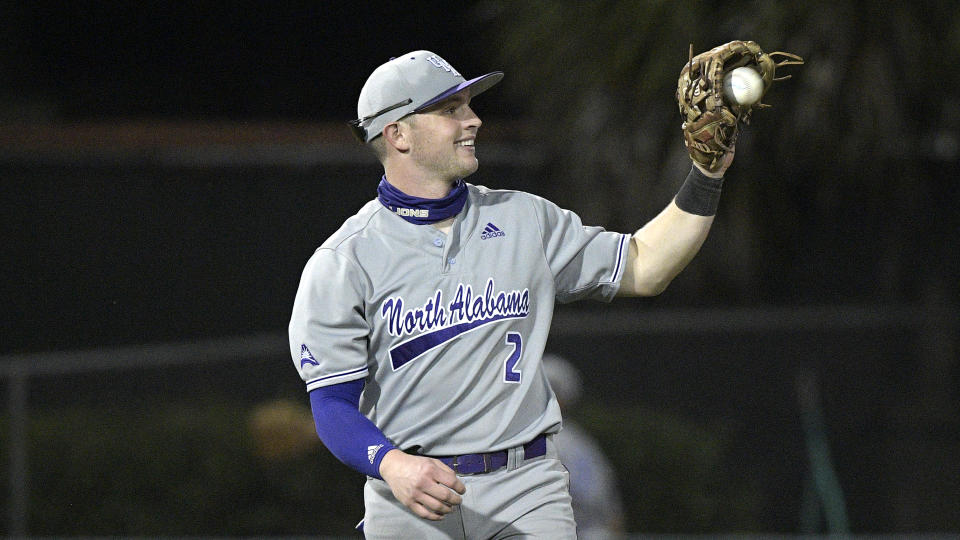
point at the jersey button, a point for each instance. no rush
(452, 260)
(438, 242)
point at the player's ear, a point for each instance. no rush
(396, 136)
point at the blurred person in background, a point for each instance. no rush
(596, 499)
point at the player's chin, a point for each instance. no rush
(470, 165)
(464, 171)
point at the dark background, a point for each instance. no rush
(169, 167)
(238, 60)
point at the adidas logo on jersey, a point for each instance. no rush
(306, 357)
(372, 452)
(491, 231)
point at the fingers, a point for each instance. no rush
(434, 502)
(444, 494)
(425, 512)
(424, 485)
(447, 477)
(440, 492)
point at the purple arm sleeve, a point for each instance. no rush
(348, 434)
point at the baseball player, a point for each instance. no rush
(419, 326)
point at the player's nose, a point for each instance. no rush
(472, 121)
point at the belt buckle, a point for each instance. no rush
(486, 458)
(457, 464)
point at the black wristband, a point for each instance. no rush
(699, 193)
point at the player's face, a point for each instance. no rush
(442, 138)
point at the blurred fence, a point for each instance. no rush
(705, 398)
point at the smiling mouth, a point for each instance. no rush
(466, 144)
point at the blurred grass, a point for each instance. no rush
(672, 472)
(199, 469)
(188, 468)
(178, 470)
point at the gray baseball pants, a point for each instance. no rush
(526, 499)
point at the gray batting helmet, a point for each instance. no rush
(408, 84)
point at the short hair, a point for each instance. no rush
(379, 145)
(379, 148)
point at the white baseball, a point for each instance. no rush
(743, 86)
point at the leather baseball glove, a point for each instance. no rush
(710, 122)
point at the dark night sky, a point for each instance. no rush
(221, 59)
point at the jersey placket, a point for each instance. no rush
(450, 244)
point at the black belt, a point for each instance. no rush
(491, 461)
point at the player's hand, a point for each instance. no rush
(424, 485)
(724, 165)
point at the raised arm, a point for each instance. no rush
(712, 118)
(667, 243)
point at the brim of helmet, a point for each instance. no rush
(476, 85)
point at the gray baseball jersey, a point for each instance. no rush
(448, 330)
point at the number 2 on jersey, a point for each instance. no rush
(510, 372)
